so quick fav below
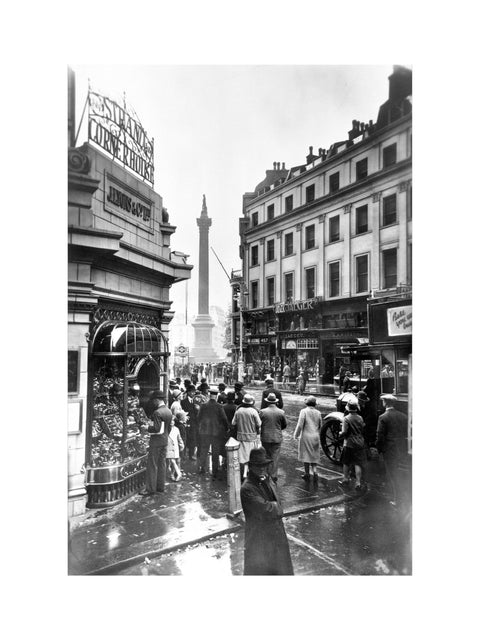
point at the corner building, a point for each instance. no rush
(120, 270)
(317, 239)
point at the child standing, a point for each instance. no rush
(175, 445)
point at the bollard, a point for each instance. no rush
(233, 476)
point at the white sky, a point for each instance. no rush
(218, 128)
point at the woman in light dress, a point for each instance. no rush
(308, 432)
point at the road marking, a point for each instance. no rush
(319, 554)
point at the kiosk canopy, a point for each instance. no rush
(129, 337)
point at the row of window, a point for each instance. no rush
(389, 279)
(361, 169)
(389, 217)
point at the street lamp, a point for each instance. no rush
(239, 294)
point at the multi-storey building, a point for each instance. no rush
(316, 239)
(121, 268)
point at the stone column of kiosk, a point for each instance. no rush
(233, 476)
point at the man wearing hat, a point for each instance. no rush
(172, 384)
(222, 394)
(266, 549)
(392, 435)
(212, 430)
(191, 408)
(247, 422)
(157, 450)
(273, 423)
(269, 389)
(238, 386)
(353, 452)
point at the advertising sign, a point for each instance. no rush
(114, 129)
(121, 199)
(297, 305)
(399, 321)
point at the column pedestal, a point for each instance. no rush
(203, 350)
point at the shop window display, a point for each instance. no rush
(128, 364)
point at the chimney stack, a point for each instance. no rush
(400, 83)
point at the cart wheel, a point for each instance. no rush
(328, 439)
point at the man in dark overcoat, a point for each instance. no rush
(212, 430)
(392, 435)
(191, 408)
(266, 545)
(269, 389)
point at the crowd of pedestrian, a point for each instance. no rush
(195, 421)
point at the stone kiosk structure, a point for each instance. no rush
(120, 270)
(203, 324)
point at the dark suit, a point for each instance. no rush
(190, 409)
(392, 434)
(276, 392)
(212, 429)
(157, 451)
(266, 545)
(273, 422)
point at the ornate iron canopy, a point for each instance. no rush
(129, 338)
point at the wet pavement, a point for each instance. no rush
(364, 538)
(180, 532)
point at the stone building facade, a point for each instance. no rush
(318, 238)
(120, 270)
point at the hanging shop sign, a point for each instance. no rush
(119, 198)
(297, 305)
(399, 321)
(114, 129)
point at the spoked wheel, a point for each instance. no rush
(329, 440)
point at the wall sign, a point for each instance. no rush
(399, 321)
(119, 198)
(298, 305)
(117, 132)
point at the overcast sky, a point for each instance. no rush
(218, 128)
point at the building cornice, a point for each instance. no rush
(330, 162)
(331, 197)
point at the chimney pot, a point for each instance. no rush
(283, 166)
(311, 149)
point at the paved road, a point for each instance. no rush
(362, 537)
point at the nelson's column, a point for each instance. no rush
(202, 324)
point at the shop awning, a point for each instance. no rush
(129, 337)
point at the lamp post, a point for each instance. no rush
(241, 300)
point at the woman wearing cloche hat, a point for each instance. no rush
(308, 432)
(353, 452)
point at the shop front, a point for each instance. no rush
(260, 343)
(128, 361)
(308, 333)
(121, 269)
(384, 364)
